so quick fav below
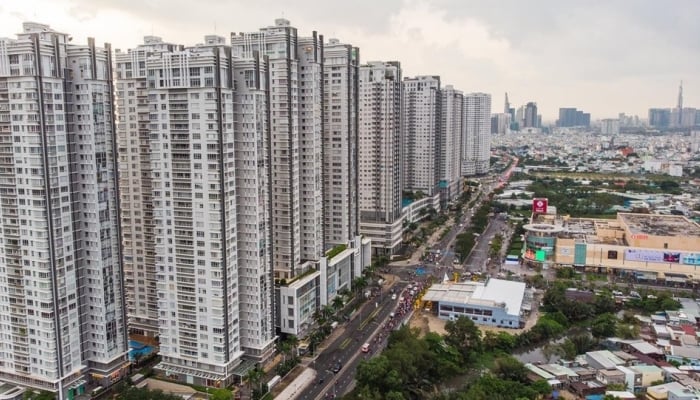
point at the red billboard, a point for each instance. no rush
(539, 206)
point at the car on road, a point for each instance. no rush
(365, 348)
(337, 367)
(393, 296)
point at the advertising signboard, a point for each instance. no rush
(691, 258)
(652, 256)
(539, 205)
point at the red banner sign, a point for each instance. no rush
(539, 206)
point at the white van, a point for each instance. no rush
(365, 348)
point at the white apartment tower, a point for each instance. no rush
(476, 144)
(450, 144)
(207, 135)
(380, 175)
(421, 126)
(340, 143)
(135, 175)
(251, 135)
(296, 120)
(63, 313)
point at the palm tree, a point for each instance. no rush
(283, 348)
(293, 342)
(254, 377)
(338, 302)
(359, 283)
(327, 311)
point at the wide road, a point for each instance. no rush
(346, 348)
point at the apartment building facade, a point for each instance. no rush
(64, 317)
(380, 155)
(135, 181)
(450, 145)
(476, 144)
(421, 111)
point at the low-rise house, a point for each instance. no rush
(650, 374)
(621, 395)
(685, 355)
(603, 359)
(588, 388)
(633, 379)
(536, 373)
(584, 373)
(629, 359)
(683, 394)
(610, 376)
(661, 392)
(647, 349)
(561, 372)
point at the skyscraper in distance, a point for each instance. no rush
(59, 241)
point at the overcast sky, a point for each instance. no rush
(602, 56)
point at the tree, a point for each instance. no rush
(509, 368)
(253, 378)
(134, 393)
(220, 394)
(604, 325)
(465, 336)
(338, 302)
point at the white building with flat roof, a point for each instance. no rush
(495, 302)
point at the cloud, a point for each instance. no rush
(557, 53)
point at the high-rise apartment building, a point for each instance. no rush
(569, 117)
(380, 181)
(205, 129)
(450, 144)
(476, 143)
(135, 180)
(340, 143)
(659, 118)
(61, 275)
(610, 126)
(296, 162)
(421, 126)
(296, 121)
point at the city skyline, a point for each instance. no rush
(555, 57)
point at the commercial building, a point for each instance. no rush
(380, 175)
(495, 302)
(64, 316)
(476, 139)
(642, 246)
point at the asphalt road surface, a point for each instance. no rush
(346, 348)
